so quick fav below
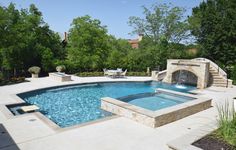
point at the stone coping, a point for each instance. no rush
(8, 114)
(187, 60)
(59, 74)
(159, 117)
(16, 97)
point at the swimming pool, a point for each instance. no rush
(155, 101)
(71, 105)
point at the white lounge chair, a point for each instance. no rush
(123, 73)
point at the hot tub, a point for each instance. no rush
(156, 109)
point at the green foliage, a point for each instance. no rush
(47, 60)
(117, 57)
(233, 74)
(136, 73)
(213, 24)
(94, 74)
(161, 22)
(88, 45)
(26, 40)
(155, 55)
(227, 124)
(12, 80)
(90, 74)
(34, 70)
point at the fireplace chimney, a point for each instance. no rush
(65, 36)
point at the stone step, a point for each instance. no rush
(214, 73)
(219, 81)
(220, 85)
(217, 76)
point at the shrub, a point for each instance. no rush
(34, 70)
(12, 80)
(91, 74)
(1, 76)
(233, 74)
(227, 124)
(136, 74)
(17, 79)
(61, 68)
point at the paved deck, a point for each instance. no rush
(32, 132)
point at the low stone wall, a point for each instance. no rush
(130, 111)
(60, 77)
(156, 118)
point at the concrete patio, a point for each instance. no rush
(32, 132)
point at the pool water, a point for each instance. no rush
(72, 105)
(155, 101)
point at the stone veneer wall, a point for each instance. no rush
(199, 68)
(129, 113)
(154, 118)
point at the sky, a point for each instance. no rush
(112, 13)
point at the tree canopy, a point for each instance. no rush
(88, 45)
(26, 40)
(213, 23)
(161, 22)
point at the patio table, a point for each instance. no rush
(114, 73)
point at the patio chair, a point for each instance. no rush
(105, 72)
(123, 73)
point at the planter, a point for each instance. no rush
(35, 75)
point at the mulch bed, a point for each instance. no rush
(212, 143)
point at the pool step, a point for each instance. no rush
(30, 108)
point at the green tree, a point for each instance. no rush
(88, 46)
(213, 23)
(25, 38)
(161, 22)
(118, 53)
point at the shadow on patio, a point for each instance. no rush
(6, 141)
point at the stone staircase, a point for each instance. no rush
(216, 79)
(218, 76)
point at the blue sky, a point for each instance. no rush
(112, 13)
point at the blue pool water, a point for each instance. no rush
(155, 101)
(72, 105)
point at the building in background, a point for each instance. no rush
(135, 42)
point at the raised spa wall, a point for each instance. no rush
(156, 118)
